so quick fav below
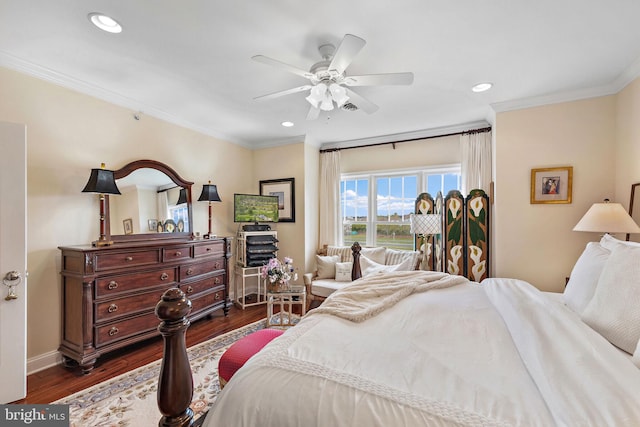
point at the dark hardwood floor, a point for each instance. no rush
(57, 382)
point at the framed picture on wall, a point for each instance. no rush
(551, 185)
(128, 226)
(285, 190)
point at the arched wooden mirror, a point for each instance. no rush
(152, 204)
(634, 210)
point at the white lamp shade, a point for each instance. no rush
(339, 94)
(317, 94)
(607, 218)
(425, 224)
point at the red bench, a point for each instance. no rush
(242, 350)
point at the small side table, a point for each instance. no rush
(297, 295)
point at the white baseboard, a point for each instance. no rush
(43, 361)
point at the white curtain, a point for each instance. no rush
(163, 206)
(476, 161)
(330, 198)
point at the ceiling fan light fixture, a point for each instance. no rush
(339, 94)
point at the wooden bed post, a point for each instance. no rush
(356, 273)
(175, 385)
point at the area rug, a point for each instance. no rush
(131, 400)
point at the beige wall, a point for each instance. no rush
(286, 162)
(535, 242)
(627, 169)
(425, 152)
(68, 134)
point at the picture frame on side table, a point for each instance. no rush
(285, 190)
(128, 226)
(551, 185)
(153, 224)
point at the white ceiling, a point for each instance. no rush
(189, 62)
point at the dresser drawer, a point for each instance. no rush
(116, 308)
(125, 328)
(111, 260)
(176, 254)
(194, 288)
(113, 285)
(192, 270)
(199, 303)
(213, 248)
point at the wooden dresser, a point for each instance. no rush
(109, 293)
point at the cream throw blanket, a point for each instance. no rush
(369, 296)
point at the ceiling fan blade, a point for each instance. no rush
(283, 92)
(379, 79)
(290, 68)
(313, 113)
(360, 102)
(348, 49)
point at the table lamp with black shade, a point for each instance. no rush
(182, 197)
(102, 181)
(209, 194)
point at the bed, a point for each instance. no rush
(426, 348)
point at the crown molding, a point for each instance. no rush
(59, 79)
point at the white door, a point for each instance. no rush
(13, 262)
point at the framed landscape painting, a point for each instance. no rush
(551, 185)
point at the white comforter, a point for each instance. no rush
(500, 353)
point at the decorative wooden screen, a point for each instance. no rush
(454, 232)
(438, 239)
(477, 244)
(424, 205)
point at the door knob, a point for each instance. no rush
(11, 280)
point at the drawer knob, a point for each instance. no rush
(178, 253)
(164, 276)
(208, 249)
(113, 331)
(112, 284)
(217, 297)
(217, 280)
(129, 258)
(189, 290)
(112, 308)
(189, 272)
(216, 265)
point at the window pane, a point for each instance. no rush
(451, 182)
(395, 236)
(354, 233)
(434, 184)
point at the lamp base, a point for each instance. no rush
(100, 243)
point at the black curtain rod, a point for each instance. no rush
(167, 189)
(472, 131)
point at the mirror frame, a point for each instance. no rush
(633, 192)
(177, 179)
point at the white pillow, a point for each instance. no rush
(393, 256)
(375, 254)
(584, 276)
(369, 267)
(343, 271)
(610, 242)
(327, 266)
(614, 310)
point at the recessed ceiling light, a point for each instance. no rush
(287, 124)
(105, 23)
(481, 87)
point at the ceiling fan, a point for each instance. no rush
(329, 84)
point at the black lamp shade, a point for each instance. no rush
(209, 194)
(182, 198)
(101, 181)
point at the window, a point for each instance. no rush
(375, 207)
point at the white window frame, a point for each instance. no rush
(372, 177)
